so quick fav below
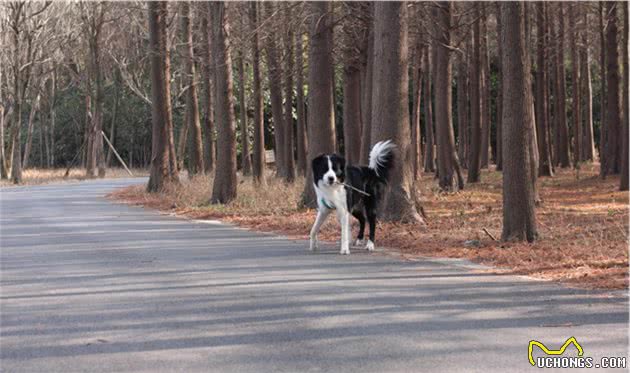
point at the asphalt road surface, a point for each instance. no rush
(88, 285)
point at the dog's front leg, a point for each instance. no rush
(322, 214)
(344, 221)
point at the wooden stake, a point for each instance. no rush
(116, 153)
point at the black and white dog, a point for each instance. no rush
(355, 190)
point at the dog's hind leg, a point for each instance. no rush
(372, 221)
(361, 218)
(322, 214)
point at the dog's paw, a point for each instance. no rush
(359, 242)
(369, 246)
(345, 252)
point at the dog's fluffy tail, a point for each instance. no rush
(382, 158)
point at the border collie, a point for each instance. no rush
(355, 190)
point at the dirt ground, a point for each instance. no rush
(582, 223)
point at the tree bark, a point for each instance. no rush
(613, 110)
(542, 94)
(352, 113)
(429, 138)
(258, 166)
(519, 220)
(302, 140)
(416, 137)
(3, 170)
(562, 143)
(499, 152)
(448, 161)
(275, 88)
(484, 90)
(390, 108)
(159, 54)
(623, 184)
(195, 151)
(288, 134)
(208, 76)
(603, 136)
(29, 132)
(224, 188)
(588, 143)
(366, 103)
(575, 85)
(246, 163)
(476, 78)
(462, 110)
(321, 119)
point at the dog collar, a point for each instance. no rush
(323, 201)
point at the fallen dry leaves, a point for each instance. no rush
(582, 223)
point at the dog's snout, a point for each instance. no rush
(331, 179)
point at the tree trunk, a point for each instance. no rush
(366, 102)
(447, 157)
(208, 77)
(224, 188)
(302, 144)
(462, 110)
(476, 78)
(603, 136)
(112, 126)
(3, 170)
(562, 138)
(288, 132)
(352, 113)
(588, 143)
(275, 88)
(429, 157)
(160, 159)
(485, 91)
(246, 162)
(195, 151)
(575, 85)
(182, 144)
(29, 133)
(390, 108)
(613, 111)
(321, 119)
(542, 94)
(623, 185)
(258, 166)
(416, 138)
(519, 220)
(499, 152)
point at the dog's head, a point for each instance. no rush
(328, 169)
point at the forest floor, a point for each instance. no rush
(33, 176)
(582, 223)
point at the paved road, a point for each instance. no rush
(92, 286)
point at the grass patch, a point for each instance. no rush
(34, 176)
(582, 223)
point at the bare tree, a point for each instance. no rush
(562, 131)
(575, 84)
(321, 118)
(390, 109)
(258, 166)
(195, 151)
(588, 141)
(476, 78)
(519, 219)
(246, 163)
(429, 157)
(542, 93)
(623, 184)
(208, 76)
(161, 166)
(448, 162)
(613, 111)
(224, 188)
(499, 124)
(302, 140)
(288, 132)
